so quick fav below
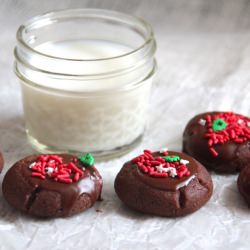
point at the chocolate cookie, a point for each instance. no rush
(244, 184)
(52, 185)
(164, 183)
(1, 162)
(219, 140)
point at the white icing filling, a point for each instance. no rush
(185, 183)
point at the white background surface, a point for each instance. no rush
(204, 64)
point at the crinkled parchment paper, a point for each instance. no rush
(202, 67)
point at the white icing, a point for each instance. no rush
(185, 183)
(202, 122)
(248, 124)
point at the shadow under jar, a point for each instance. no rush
(86, 76)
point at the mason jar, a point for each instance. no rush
(85, 77)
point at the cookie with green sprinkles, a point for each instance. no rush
(219, 140)
(164, 183)
(53, 185)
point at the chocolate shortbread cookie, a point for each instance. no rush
(52, 185)
(164, 183)
(219, 140)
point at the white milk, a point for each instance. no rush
(83, 49)
(73, 117)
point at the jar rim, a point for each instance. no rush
(80, 12)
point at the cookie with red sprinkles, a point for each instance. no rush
(164, 183)
(219, 140)
(52, 185)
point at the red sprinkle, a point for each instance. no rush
(38, 175)
(52, 166)
(235, 131)
(76, 176)
(65, 180)
(148, 164)
(75, 168)
(147, 151)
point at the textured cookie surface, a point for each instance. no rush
(51, 185)
(172, 186)
(219, 140)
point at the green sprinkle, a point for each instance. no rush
(219, 124)
(87, 159)
(173, 158)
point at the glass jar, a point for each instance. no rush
(85, 77)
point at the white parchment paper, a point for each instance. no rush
(203, 64)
